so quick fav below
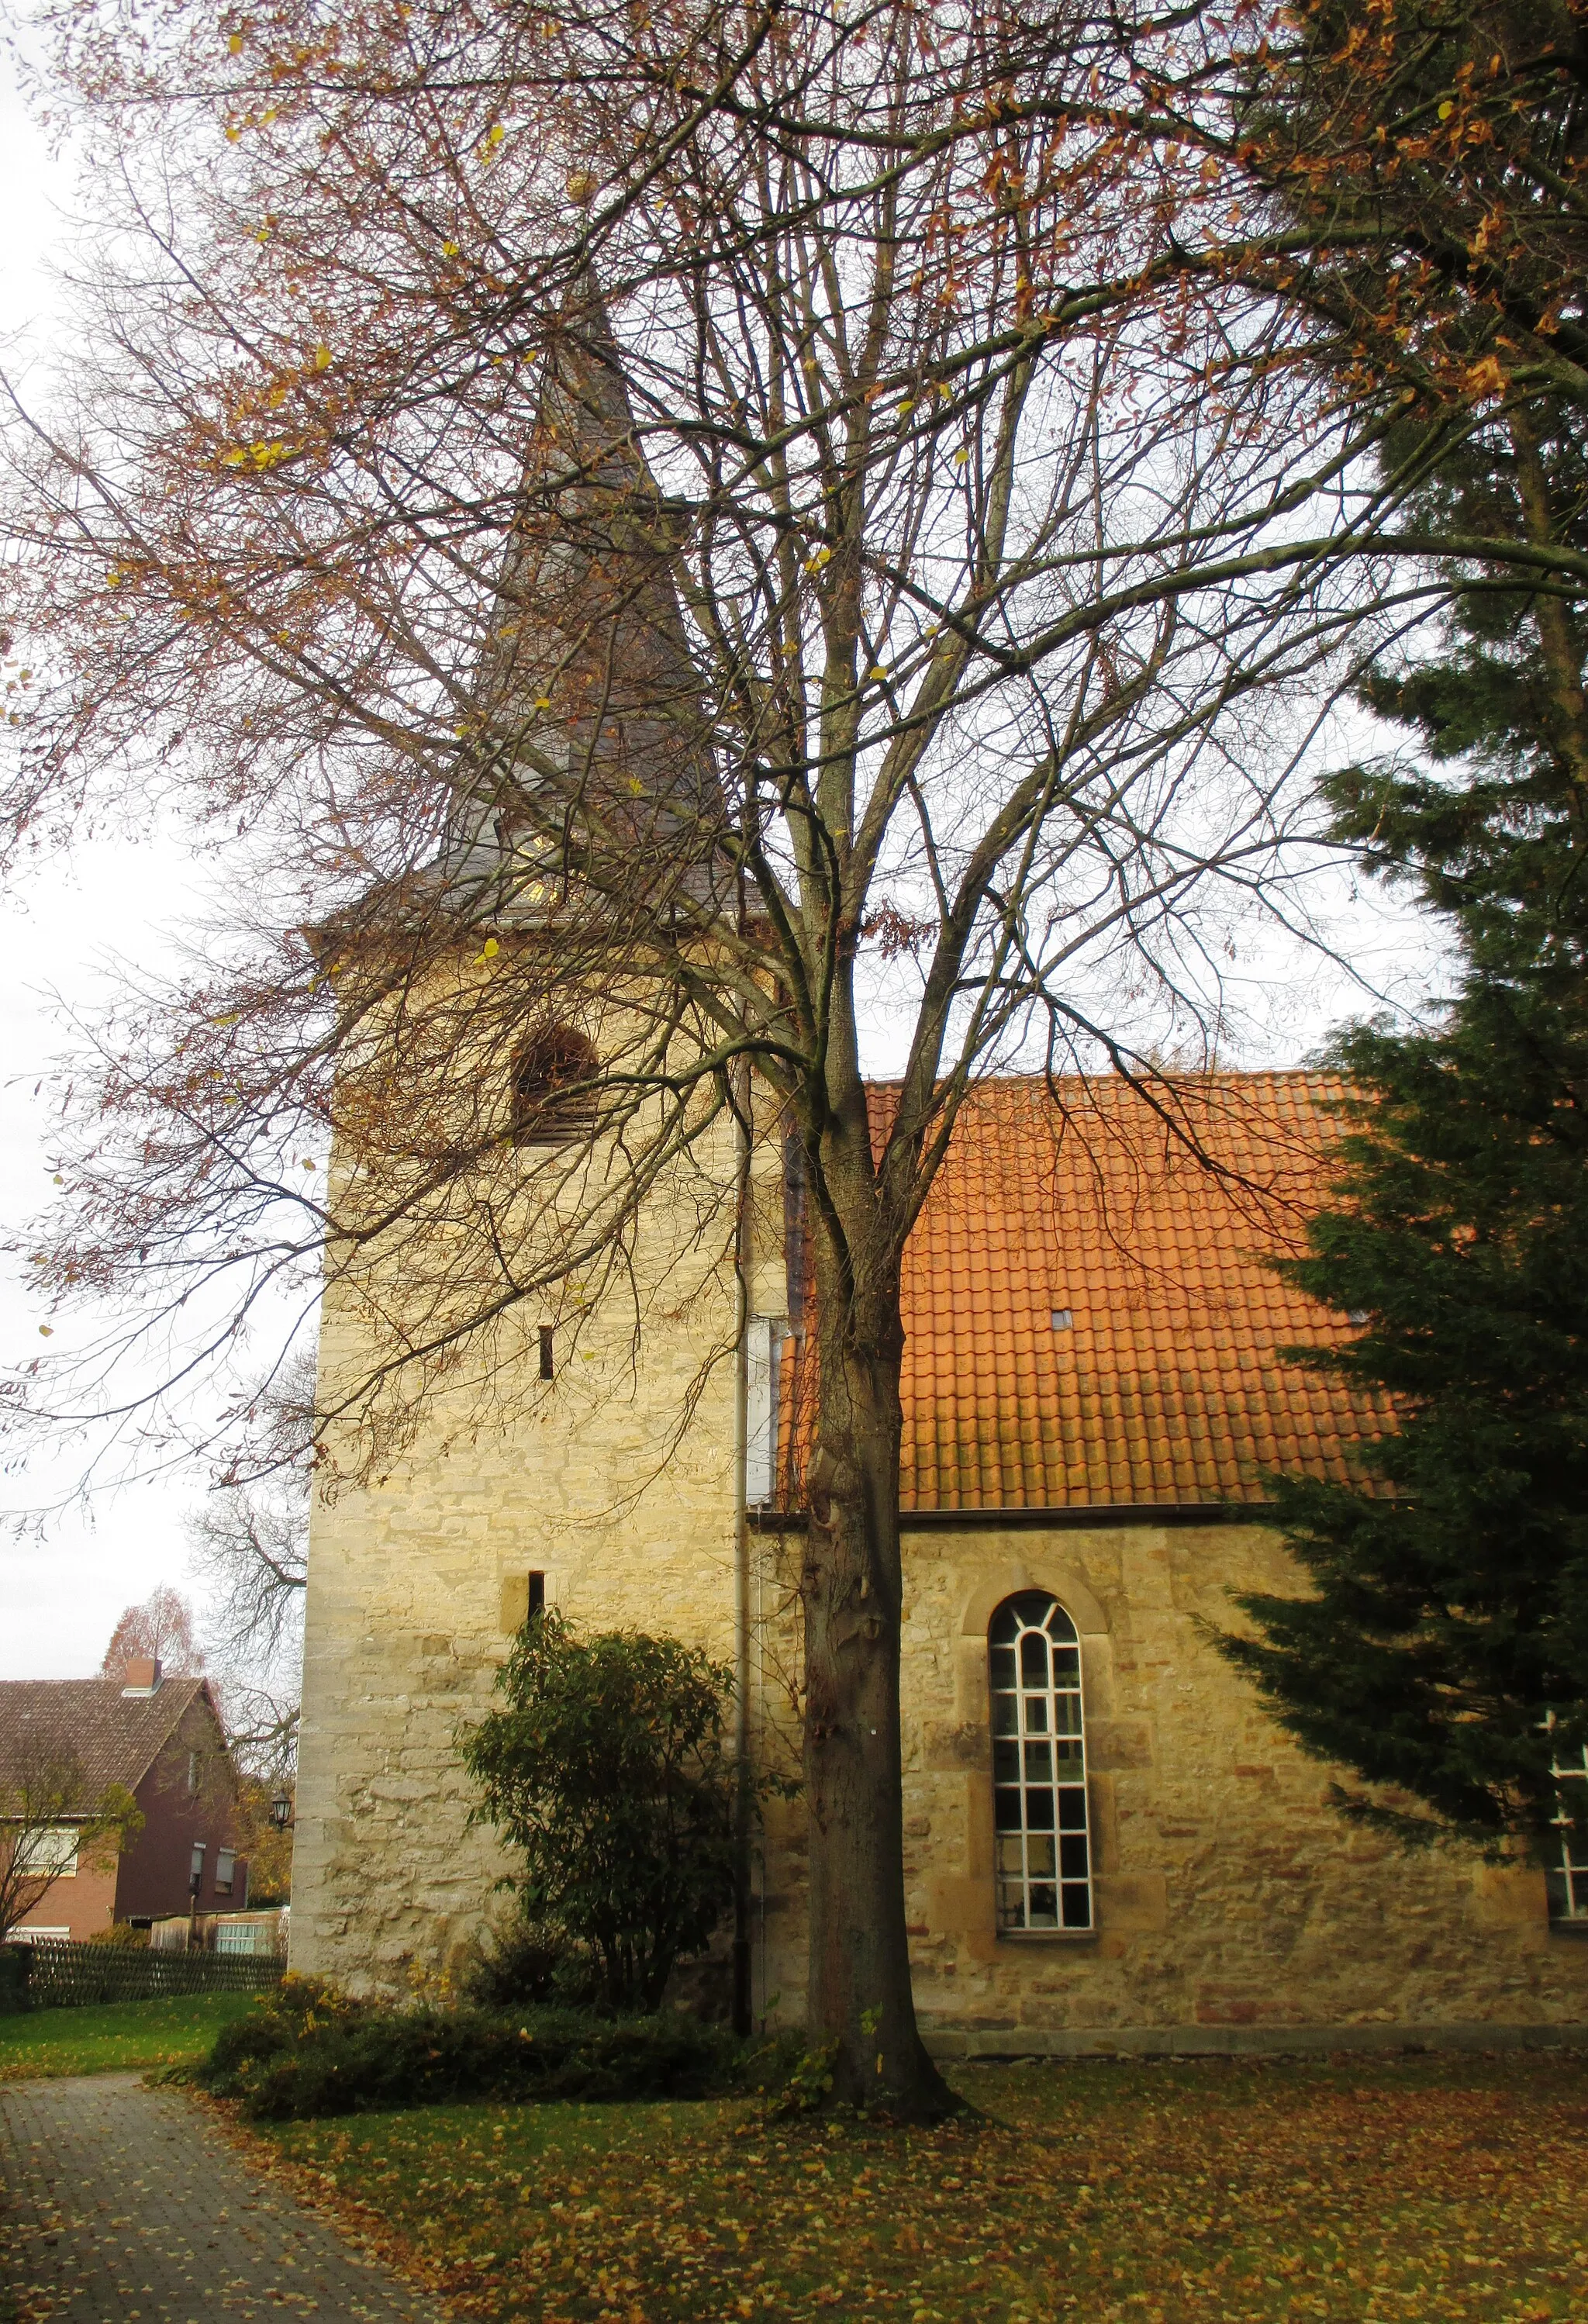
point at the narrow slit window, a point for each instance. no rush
(1042, 1837)
(548, 1353)
(537, 1603)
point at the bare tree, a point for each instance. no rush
(651, 539)
(159, 1629)
(48, 1826)
(250, 1546)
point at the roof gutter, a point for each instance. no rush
(1071, 1516)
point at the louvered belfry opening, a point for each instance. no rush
(554, 1095)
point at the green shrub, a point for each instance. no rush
(606, 1770)
(310, 2051)
(528, 1963)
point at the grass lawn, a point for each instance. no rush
(118, 2036)
(1413, 2188)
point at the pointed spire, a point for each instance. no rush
(589, 664)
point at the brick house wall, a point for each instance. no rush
(189, 1799)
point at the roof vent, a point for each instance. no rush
(143, 1676)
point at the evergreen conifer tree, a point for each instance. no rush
(1444, 1652)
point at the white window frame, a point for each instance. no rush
(1568, 1879)
(51, 1851)
(246, 1939)
(763, 1353)
(1041, 1821)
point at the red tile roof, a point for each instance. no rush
(1149, 1219)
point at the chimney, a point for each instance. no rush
(143, 1676)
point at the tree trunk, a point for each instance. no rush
(861, 2001)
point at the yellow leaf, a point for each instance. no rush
(236, 44)
(881, 670)
(542, 702)
(448, 249)
(1446, 109)
(322, 358)
(46, 1331)
(233, 134)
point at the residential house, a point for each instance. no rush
(162, 1739)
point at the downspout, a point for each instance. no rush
(743, 1788)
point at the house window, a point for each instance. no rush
(553, 1099)
(1044, 1856)
(1568, 1879)
(226, 1861)
(52, 1855)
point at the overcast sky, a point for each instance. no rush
(60, 1594)
(64, 1579)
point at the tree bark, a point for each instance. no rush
(861, 2003)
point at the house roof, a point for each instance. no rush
(1148, 1219)
(116, 1737)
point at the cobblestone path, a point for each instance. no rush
(119, 2202)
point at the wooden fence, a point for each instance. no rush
(57, 1974)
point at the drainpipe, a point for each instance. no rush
(744, 1793)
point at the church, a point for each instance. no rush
(1109, 1846)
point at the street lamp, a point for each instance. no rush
(281, 1809)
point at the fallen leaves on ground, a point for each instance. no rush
(1419, 2188)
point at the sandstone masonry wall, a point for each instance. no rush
(417, 1580)
(1228, 1894)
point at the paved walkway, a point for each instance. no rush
(122, 2202)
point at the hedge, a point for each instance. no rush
(310, 2051)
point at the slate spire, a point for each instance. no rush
(593, 732)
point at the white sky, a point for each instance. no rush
(64, 1581)
(60, 1592)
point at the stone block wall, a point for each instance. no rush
(418, 1577)
(1230, 1896)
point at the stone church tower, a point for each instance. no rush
(1110, 1845)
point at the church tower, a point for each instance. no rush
(592, 1444)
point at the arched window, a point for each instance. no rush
(1044, 1856)
(553, 1093)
